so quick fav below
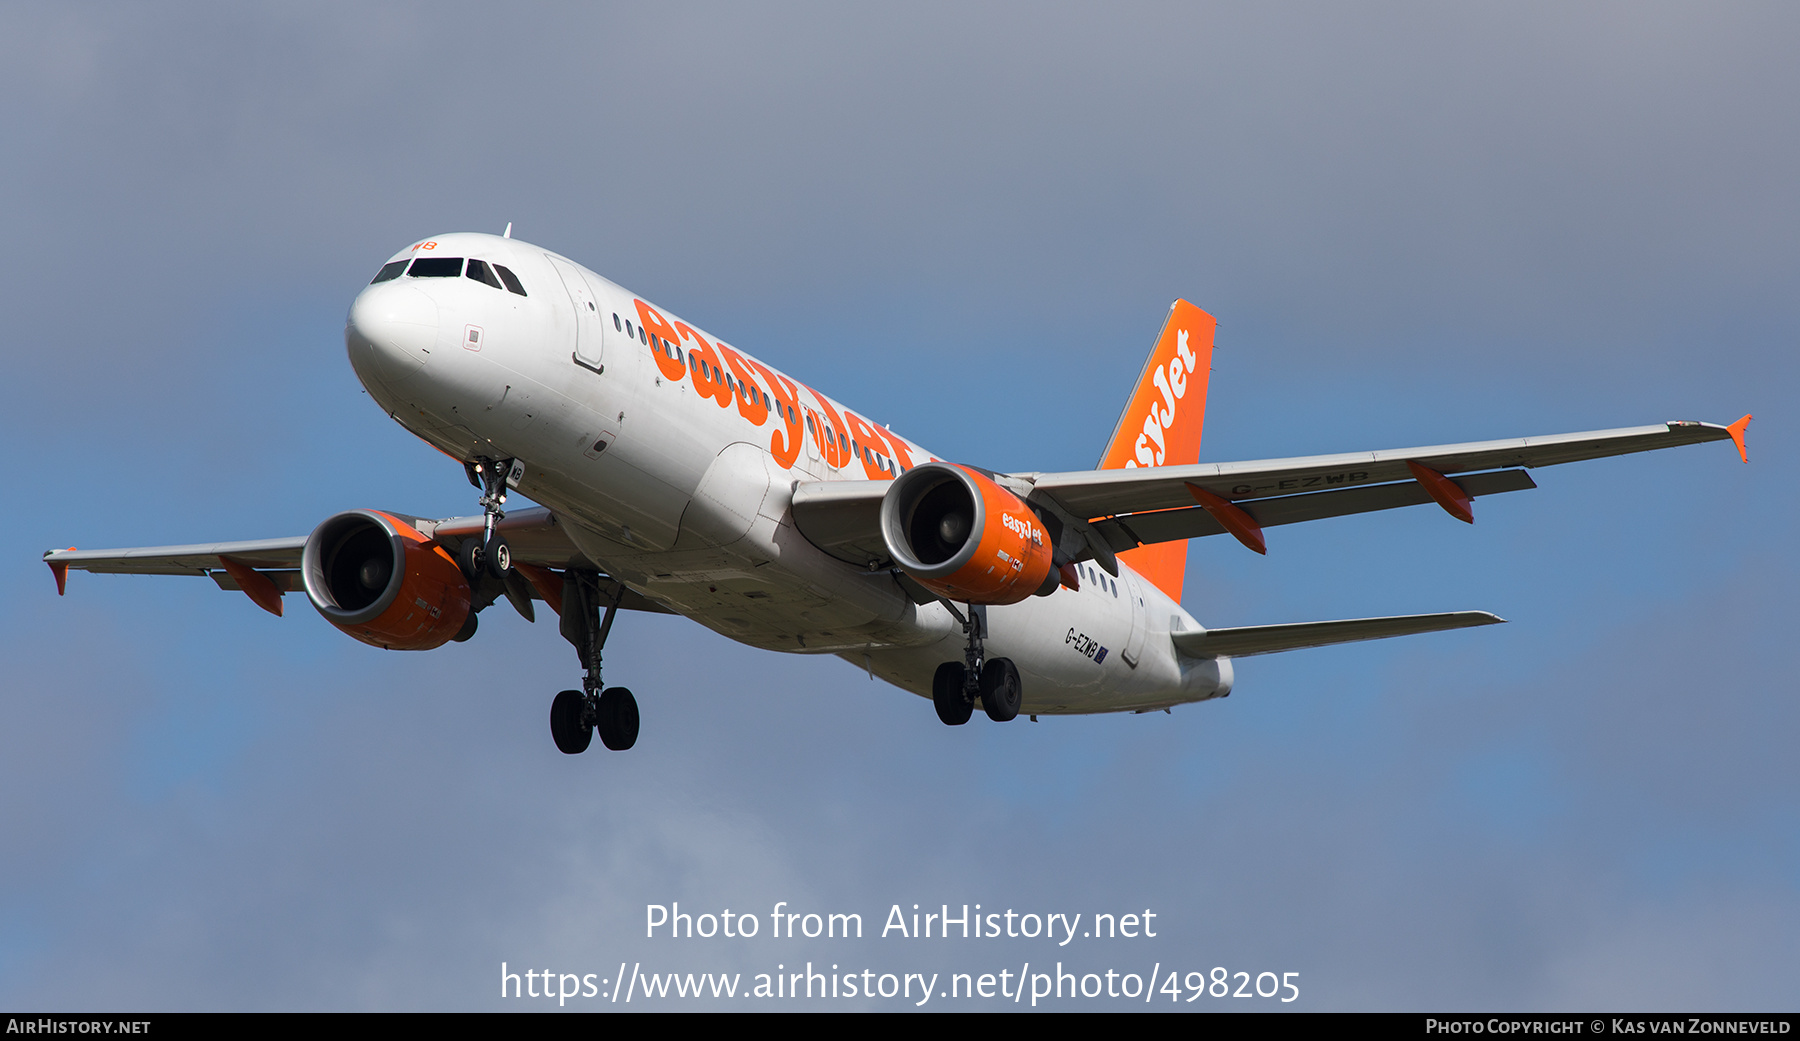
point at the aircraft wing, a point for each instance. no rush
(535, 537)
(1125, 508)
(1097, 493)
(276, 559)
(1143, 505)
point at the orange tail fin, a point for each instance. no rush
(1161, 425)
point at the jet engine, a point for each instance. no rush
(965, 538)
(377, 578)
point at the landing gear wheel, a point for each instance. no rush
(1001, 693)
(471, 559)
(496, 557)
(618, 722)
(567, 727)
(953, 707)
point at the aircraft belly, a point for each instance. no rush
(1066, 647)
(770, 588)
(1048, 640)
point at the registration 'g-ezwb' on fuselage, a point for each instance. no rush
(678, 473)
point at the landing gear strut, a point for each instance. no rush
(576, 714)
(491, 554)
(995, 681)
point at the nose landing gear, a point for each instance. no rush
(491, 554)
(995, 681)
(576, 714)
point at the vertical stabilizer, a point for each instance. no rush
(1162, 423)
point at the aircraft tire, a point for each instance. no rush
(1001, 693)
(567, 728)
(618, 724)
(469, 558)
(496, 557)
(947, 694)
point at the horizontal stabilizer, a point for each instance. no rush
(1267, 639)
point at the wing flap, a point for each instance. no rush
(1268, 639)
(1125, 531)
(286, 581)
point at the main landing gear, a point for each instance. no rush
(490, 553)
(994, 680)
(576, 714)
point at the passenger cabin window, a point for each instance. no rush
(615, 321)
(480, 272)
(436, 267)
(389, 272)
(512, 281)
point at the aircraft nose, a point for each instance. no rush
(391, 331)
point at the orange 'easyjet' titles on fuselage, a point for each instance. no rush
(653, 322)
(723, 374)
(1162, 424)
(901, 453)
(863, 437)
(784, 442)
(750, 405)
(705, 369)
(835, 448)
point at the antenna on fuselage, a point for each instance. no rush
(507, 234)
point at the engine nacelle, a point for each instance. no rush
(377, 578)
(965, 538)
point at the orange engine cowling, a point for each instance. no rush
(965, 538)
(377, 578)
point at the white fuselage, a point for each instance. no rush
(684, 494)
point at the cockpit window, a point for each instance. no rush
(480, 272)
(436, 267)
(389, 272)
(511, 280)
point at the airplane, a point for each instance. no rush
(678, 473)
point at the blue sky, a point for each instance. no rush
(1416, 224)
